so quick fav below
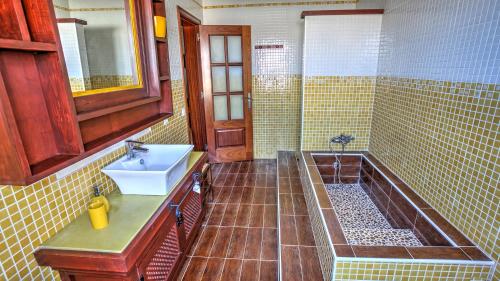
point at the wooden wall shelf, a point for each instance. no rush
(42, 126)
(101, 112)
(28, 46)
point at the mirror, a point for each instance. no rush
(100, 45)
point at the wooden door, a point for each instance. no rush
(227, 87)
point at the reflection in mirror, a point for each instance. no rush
(100, 46)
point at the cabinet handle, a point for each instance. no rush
(179, 217)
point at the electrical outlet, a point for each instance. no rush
(183, 112)
(165, 122)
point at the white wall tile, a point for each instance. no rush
(452, 40)
(341, 45)
(270, 25)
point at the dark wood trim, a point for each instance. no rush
(341, 12)
(100, 112)
(191, 77)
(184, 15)
(258, 47)
(71, 20)
(144, 25)
(27, 46)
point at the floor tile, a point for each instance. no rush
(243, 216)
(269, 271)
(217, 214)
(237, 246)
(257, 216)
(311, 269)
(250, 270)
(232, 270)
(270, 216)
(288, 230)
(213, 269)
(230, 215)
(195, 269)
(305, 235)
(269, 244)
(219, 249)
(206, 241)
(290, 263)
(253, 244)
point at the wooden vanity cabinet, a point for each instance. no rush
(156, 253)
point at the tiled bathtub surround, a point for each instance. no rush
(31, 214)
(437, 102)
(448, 132)
(333, 105)
(463, 262)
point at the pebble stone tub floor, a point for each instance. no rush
(361, 220)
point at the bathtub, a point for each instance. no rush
(374, 227)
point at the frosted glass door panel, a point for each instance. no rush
(235, 79)
(217, 49)
(218, 79)
(234, 48)
(220, 108)
(236, 107)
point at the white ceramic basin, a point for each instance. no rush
(150, 173)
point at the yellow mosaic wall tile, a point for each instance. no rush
(442, 139)
(345, 271)
(276, 114)
(31, 214)
(100, 82)
(108, 81)
(334, 105)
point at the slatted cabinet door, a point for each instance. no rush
(163, 259)
(192, 212)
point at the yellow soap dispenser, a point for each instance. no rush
(100, 198)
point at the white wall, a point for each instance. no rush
(342, 45)
(441, 40)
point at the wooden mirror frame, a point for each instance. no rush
(145, 44)
(42, 127)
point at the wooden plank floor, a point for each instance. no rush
(299, 257)
(238, 239)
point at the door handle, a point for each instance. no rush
(249, 100)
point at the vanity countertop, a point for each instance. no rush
(127, 216)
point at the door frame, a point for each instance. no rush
(231, 153)
(192, 98)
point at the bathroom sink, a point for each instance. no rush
(150, 173)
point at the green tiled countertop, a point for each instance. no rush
(127, 215)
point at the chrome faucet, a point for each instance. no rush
(342, 139)
(133, 147)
